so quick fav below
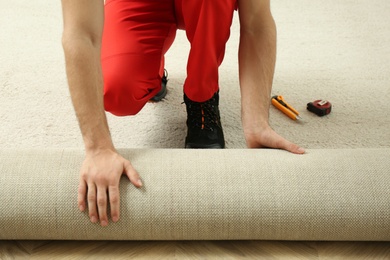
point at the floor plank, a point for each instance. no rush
(193, 250)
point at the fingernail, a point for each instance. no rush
(140, 182)
(104, 223)
(301, 150)
(115, 219)
(93, 219)
(81, 208)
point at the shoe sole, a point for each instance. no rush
(160, 95)
(197, 146)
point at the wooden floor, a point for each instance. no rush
(193, 250)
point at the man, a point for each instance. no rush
(136, 36)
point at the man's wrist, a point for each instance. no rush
(255, 120)
(92, 147)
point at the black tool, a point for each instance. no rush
(320, 107)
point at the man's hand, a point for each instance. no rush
(268, 138)
(99, 183)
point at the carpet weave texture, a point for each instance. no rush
(326, 194)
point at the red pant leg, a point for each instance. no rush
(207, 24)
(137, 33)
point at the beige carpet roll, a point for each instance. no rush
(205, 195)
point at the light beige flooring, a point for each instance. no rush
(193, 250)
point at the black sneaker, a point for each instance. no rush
(204, 124)
(163, 92)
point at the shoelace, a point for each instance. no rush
(203, 115)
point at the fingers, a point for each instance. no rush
(270, 139)
(291, 147)
(91, 197)
(281, 143)
(82, 191)
(113, 190)
(97, 204)
(99, 185)
(132, 174)
(114, 202)
(102, 206)
(295, 149)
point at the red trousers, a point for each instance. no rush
(137, 34)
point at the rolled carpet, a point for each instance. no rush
(205, 195)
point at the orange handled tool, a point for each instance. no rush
(288, 110)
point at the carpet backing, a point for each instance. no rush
(326, 194)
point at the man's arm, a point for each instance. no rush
(257, 56)
(103, 166)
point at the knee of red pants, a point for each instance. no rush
(125, 95)
(120, 100)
